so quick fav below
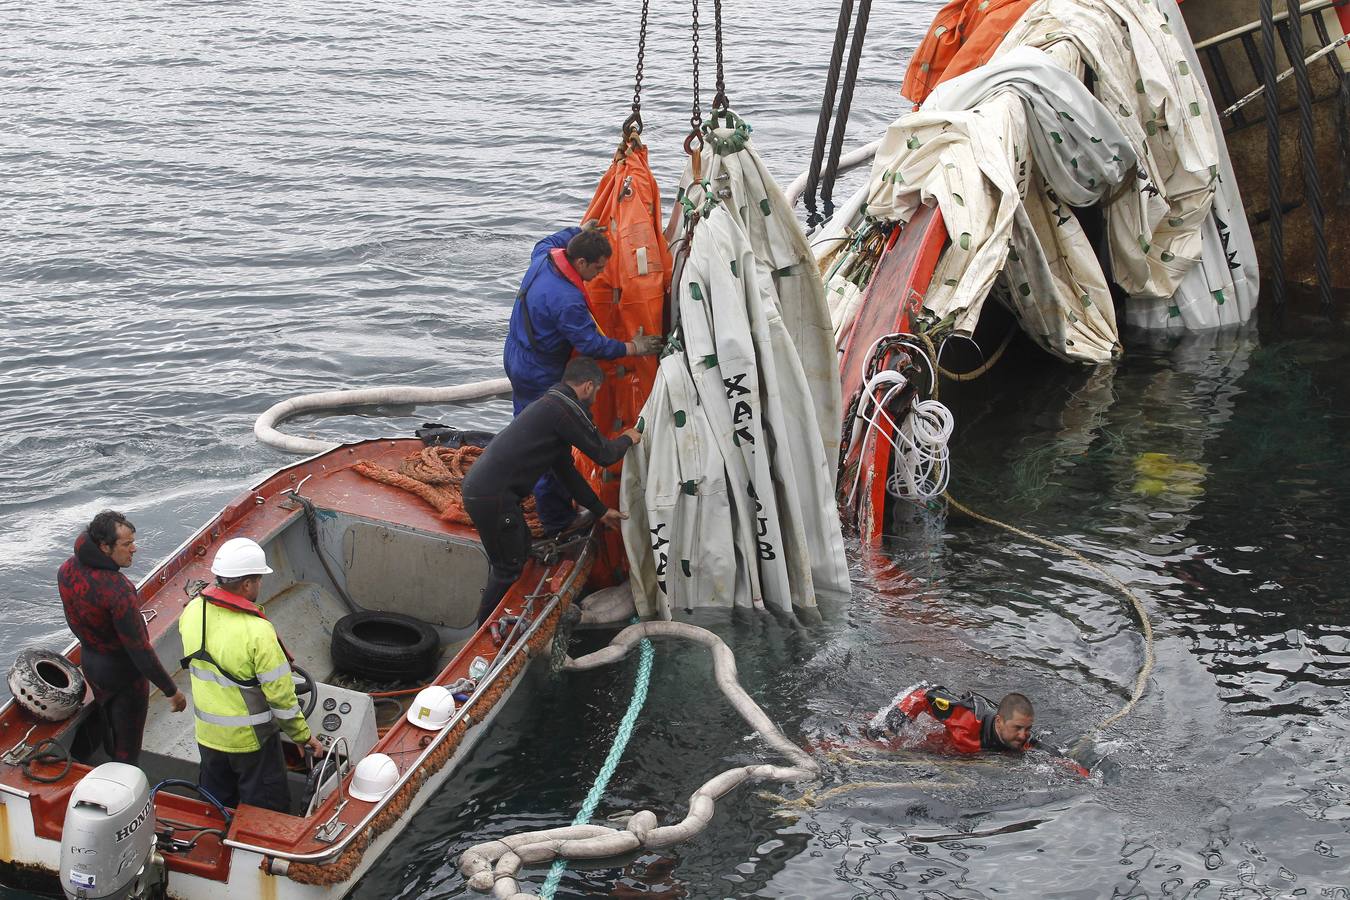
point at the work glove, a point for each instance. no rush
(647, 344)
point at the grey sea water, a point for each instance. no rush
(211, 206)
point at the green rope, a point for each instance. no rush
(621, 737)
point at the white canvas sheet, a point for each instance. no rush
(781, 248)
(1177, 235)
(681, 506)
(976, 149)
(1188, 214)
(1223, 289)
(739, 498)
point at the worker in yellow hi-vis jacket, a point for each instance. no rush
(241, 684)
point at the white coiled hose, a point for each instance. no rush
(919, 461)
(920, 470)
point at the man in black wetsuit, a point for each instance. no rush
(540, 439)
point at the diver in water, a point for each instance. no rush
(971, 722)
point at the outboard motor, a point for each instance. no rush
(108, 842)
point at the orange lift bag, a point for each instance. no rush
(963, 36)
(629, 295)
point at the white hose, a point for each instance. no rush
(919, 461)
(921, 470)
(265, 428)
(492, 866)
(847, 161)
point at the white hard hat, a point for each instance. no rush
(238, 557)
(432, 708)
(374, 777)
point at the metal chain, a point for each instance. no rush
(642, 56)
(632, 126)
(720, 100)
(696, 117)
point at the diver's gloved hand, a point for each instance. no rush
(646, 344)
(894, 723)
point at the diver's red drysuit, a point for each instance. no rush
(968, 719)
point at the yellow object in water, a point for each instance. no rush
(1161, 473)
(1150, 487)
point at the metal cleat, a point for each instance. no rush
(16, 755)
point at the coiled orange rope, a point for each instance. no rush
(436, 474)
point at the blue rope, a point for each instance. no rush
(644, 677)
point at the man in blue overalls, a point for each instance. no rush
(550, 321)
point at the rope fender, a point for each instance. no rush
(493, 865)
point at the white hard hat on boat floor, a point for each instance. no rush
(432, 708)
(239, 557)
(374, 777)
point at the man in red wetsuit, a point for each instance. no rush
(971, 723)
(104, 612)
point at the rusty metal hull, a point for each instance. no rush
(1232, 68)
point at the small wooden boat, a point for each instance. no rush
(329, 534)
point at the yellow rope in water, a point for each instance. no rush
(845, 757)
(1145, 625)
(812, 799)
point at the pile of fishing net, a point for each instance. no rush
(436, 474)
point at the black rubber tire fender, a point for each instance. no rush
(46, 684)
(384, 646)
